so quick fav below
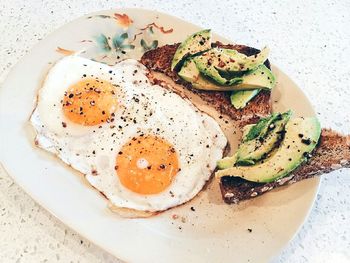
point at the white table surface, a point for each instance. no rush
(309, 40)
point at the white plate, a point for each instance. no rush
(214, 232)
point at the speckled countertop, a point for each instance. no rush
(309, 41)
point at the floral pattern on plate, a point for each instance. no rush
(128, 41)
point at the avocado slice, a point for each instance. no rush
(251, 151)
(230, 161)
(261, 127)
(190, 73)
(262, 77)
(195, 43)
(229, 60)
(214, 74)
(226, 162)
(239, 99)
(301, 137)
(240, 62)
(246, 129)
(232, 53)
(248, 147)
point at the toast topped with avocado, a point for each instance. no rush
(331, 153)
(280, 150)
(276, 148)
(250, 105)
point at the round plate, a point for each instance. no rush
(254, 230)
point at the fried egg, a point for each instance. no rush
(143, 146)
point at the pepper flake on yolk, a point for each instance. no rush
(90, 102)
(147, 164)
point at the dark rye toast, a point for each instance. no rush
(332, 153)
(159, 60)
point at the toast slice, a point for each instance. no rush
(159, 60)
(332, 153)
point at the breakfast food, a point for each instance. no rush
(331, 153)
(253, 104)
(236, 80)
(272, 148)
(146, 148)
(126, 135)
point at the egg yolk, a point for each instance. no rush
(90, 102)
(147, 164)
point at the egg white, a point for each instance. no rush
(144, 109)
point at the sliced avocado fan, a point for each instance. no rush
(251, 151)
(300, 138)
(260, 78)
(222, 69)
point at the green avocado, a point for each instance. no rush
(196, 43)
(301, 137)
(241, 62)
(260, 78)
(239, 99)
(246, 129)
(232, 53)
(229, 60)
(213, 73)
(251, 151)
(190, 73)
(226, 162)
(261, 127)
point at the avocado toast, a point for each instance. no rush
(331, 153)
(160, 60)
(204, 73)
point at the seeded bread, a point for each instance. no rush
(332, 153)
(159, 60)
